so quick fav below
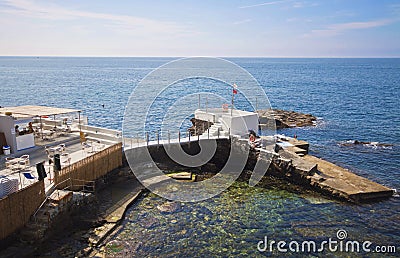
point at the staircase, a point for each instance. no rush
(58, 203)
(36, 228)
(213, 131)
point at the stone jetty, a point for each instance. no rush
(303, 169)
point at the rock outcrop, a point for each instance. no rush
(199, 126)
(286, 119)
(373, 144)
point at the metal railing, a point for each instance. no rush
(154, 138)
(71, 184)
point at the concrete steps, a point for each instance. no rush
(37, 227)
(213, 131)
(102, 136)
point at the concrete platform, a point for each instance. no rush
(181, 175)
(342, 183)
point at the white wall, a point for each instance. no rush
(201, 115)
(239, 123)
(7, 127)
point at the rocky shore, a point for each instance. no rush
(283, 119)
(286, 119)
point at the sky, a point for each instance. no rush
(181, 28)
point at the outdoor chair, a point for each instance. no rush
(24, 161)
(10, 163)
(66, 158)
(28, 176)
(86, 146)
(62, 147)
(50, 152)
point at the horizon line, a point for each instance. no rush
(110, 56)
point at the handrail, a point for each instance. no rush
(51, 191)
(54, 187)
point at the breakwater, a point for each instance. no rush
(293, 164)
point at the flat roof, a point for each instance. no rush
(221, 111)
(37, 110)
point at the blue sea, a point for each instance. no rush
(354, 99)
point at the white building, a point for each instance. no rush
(236, 122)
(15, 122)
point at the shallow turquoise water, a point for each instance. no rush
(233, 223)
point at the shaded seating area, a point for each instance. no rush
(25, 127)
(16, 164)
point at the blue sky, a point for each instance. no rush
(275, 28)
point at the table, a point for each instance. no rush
(46, 134)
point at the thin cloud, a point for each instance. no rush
(262, 4)
(242, 21)
(336, 29)
(30, 9)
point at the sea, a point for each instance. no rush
(353, 99)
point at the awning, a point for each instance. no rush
(36, 111)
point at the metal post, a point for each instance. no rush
(206, 103)
(41, 126)
(79, 119)
(232, 103)
(20, 180)
(218, 132)
(208, 129)
(179, 136)
(229, 131)
(256, 105)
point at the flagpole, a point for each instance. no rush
(234, 91)
(232, 102)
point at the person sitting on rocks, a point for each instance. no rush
(253, 139)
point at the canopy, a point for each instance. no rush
(35, 111)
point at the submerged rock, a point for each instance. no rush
(118, 248)
(169, 207)
(150, 222)
(357, 142)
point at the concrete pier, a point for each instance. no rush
(324, 176)
(344, 184)
(291, 162)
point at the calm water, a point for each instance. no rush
(354, 98)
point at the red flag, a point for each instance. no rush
(234, 88)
